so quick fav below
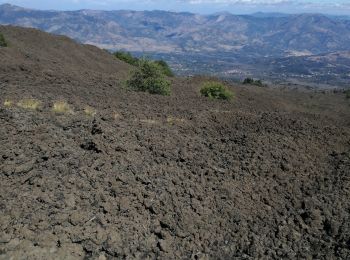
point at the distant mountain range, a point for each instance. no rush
(243, 40)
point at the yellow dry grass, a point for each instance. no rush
(29, 103)
(90, 111)
(175, 120)
(62, 107)
(149, 121)
(116, 115)
(8, 103)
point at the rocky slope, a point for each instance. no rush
(149, 177)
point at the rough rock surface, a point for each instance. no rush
(266, 176)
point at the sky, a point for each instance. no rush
(340, 7)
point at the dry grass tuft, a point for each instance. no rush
(221, 111)
(62, 107)
(8, 103)
(175, 120)
(29, 103)
(90, 111)
(116, 115)
(149, 121)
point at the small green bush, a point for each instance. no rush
(127, 57)
(149, 77)
(3, 42)
(165, 67)
(347, 94)
(216, 90)
(250, 81)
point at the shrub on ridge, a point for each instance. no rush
(3, 42)
(216, 90)
(149, 77)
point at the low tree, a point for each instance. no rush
(149, 77)
(347, 94)
(248, 81)
(129, 58)
(251, 81)
(126, 57)
(165, 67)
(3, 42)
(216, 90)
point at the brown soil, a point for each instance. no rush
(266, 176)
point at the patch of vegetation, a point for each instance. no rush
(3, 42)
(216, 90)
(175, 120)
(90, 111)
(149, 77)
(30, 103)
(347, 94)
(62, 107)
(8, 103)
(251, 81)
(127, 57)
(165, 67)
(149, 121)
(116, 115)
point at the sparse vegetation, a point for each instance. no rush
(62, 107)
(165, 67)
(116, 115)
(216, 90)
(149, 77)
(248, 81)
(127, 57)
(251, 81)
(3, 42)
(149, 121)
(30, 103)
(90, 111)
(8, 103)
(347, 94)
(175, 120)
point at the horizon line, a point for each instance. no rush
(174, 11)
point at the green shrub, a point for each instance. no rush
(127, 57)
(347, 94)
(250, 81)
(165, 67)
(216, 90)
(3, 42)
(149, 77)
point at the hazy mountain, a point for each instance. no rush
(163, 31)
(244, 39)
(267, 15)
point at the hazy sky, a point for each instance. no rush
(197, 6)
